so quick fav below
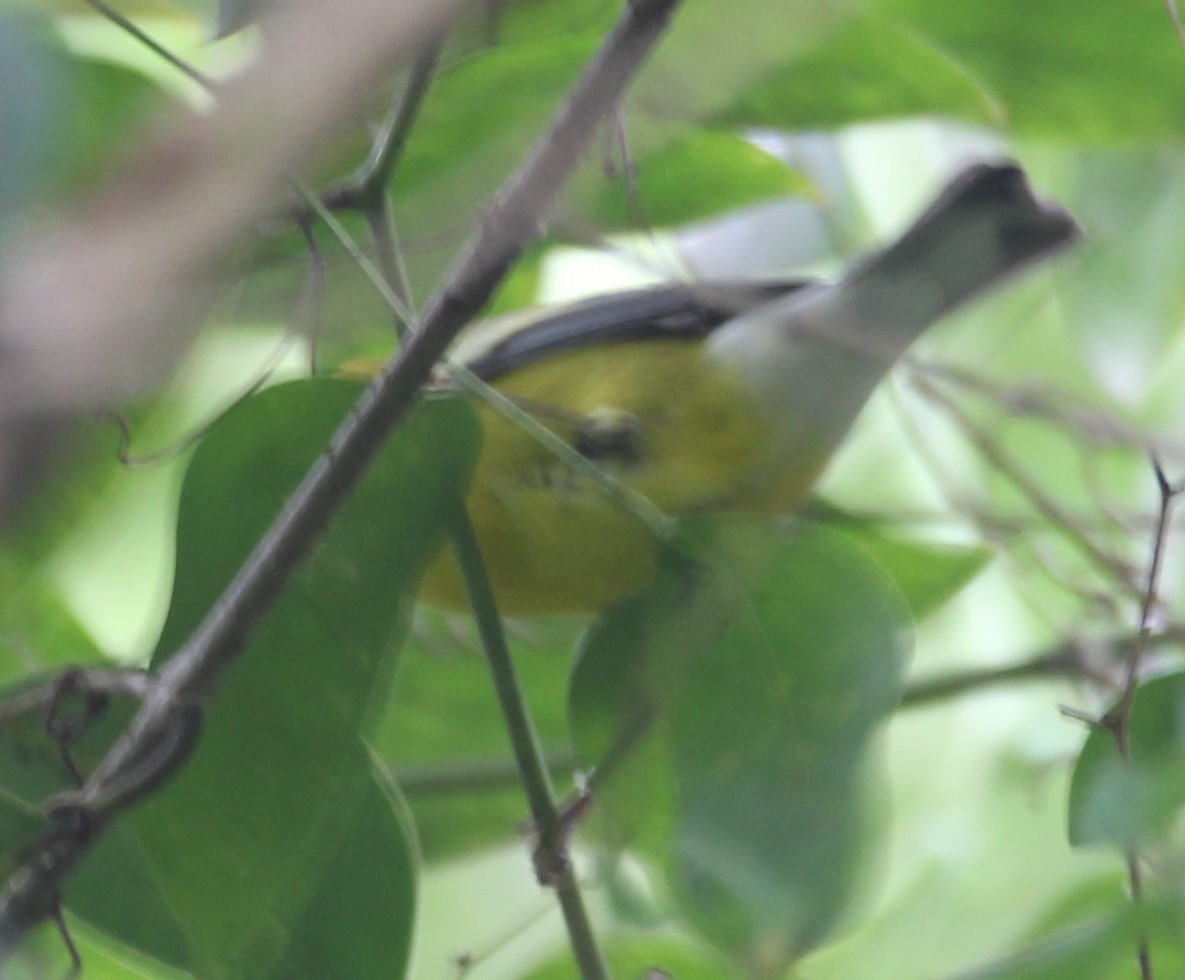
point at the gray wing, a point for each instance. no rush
(675, 311)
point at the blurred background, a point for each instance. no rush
(764, 139)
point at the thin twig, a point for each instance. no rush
(71, 946)
(1123, 711)
(1063, 661)
(552, 863)
(153, 45)
(1118, 720)
(368, 186)
(381, 225)
(40, 698)
(534, 774)
(374, 275)
(367, 191)
(1115, 569)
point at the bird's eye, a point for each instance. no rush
(609, 435)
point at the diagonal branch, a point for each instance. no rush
(512, 220)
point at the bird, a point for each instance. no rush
(706, 396)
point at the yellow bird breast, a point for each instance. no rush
(659, 417)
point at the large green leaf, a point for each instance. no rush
(715, 51)
(241, 843)
(1104, 72)
(1097, 72)
(37, 631)
(866, 67)
(731, 708)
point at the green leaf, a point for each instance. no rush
(476, 122)
(240, 843)
(359, 923)
(1100, 73)
(698, 175)
(927, 575)
(117, 892)
(535, 23)
(20, 825)
(37, 636)
(61, 115)
(37, 631)
(445, 740)
(1121, 802)
(43, 955)
(864, 68)
(731, 709)
(1098, 947)
(713, 52)
(243, 472)
(1108, 73)
(640, 955)
(105, 100)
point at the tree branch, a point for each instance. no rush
(511, 221)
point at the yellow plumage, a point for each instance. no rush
(556, 540)
(707, 396)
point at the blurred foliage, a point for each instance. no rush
(353, 767)
(708, 704)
